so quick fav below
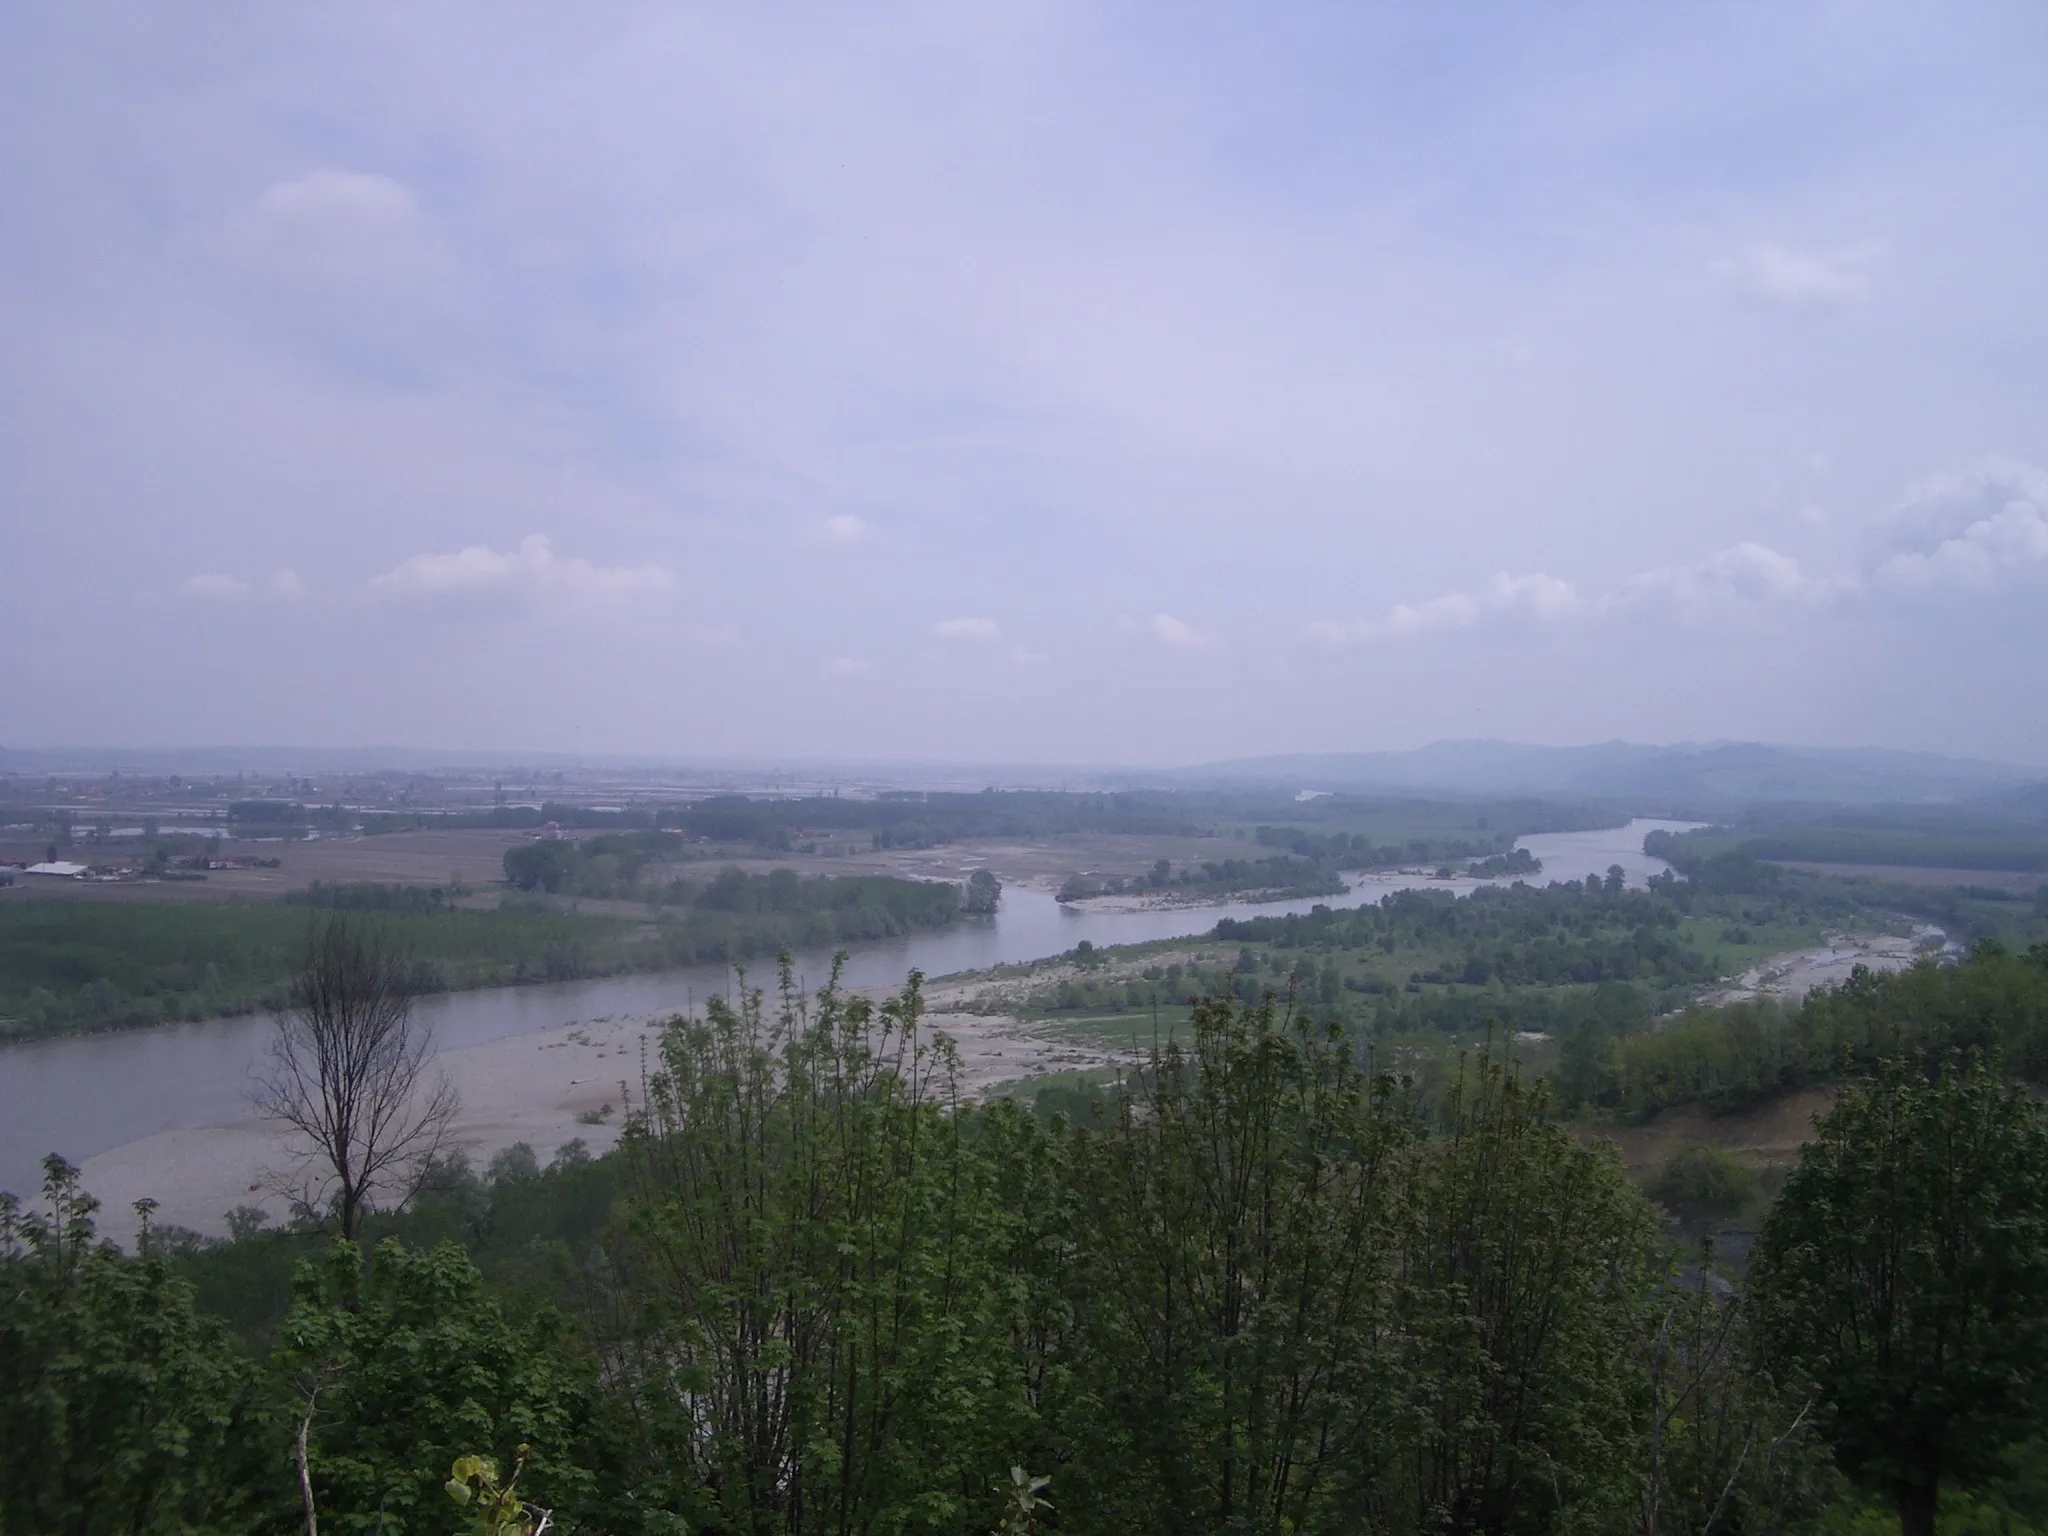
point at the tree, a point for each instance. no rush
(984, 892)
(348, 1071)
(122, 1407)
(1232, 1241)
(405, 1363)
(813, 1331)
(544, 865)
(1905, 1269)
(1721, 1448)
(1700, 1181)
(1585, 1064)
(1528, 1265)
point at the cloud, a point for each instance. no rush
(974, 631)
(849, 666)
(1749, 580)
(1976, 529)
(1779, 276)
(1178, 634)
(843, 529)
(1534, 597)
(345, 231)
(532, 576)
(216, 587)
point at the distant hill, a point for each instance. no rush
(1703, 778)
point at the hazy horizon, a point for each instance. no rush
(384, 756)
(1040, 384)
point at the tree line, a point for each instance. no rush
(1745, 1054)
(1281, 877)
(70, 966)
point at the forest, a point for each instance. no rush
(1516, 957)
(70, 966)
(1284, 877)
(1388, 829)
(1263, 1286)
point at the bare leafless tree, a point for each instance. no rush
(350, 1070)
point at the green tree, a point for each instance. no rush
(1700, 1180)
(984, 893)
(545, 865)
(1905, 1268)
(1528, 1264)
(1233, 1237)
(398, 1367)
(813, 1330)
(1585, 1064)
(122, 1409)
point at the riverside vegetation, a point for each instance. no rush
(1598, 980)
(1263, 1284)
(80, 965)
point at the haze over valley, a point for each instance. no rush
(1033, 769)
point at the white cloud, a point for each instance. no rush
(1973, 530)
(1772, 273)
(2010, 540)
(217, 587)
(346, 230)
(975, 631)
(849, 666)
(843, 529)
(1178, 634)
(1749, 580)
(531, 576)
(1534, 597)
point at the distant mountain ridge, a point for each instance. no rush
(1697, 776)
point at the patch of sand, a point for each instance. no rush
(1791, 977)
(529, 1088)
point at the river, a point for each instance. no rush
(86, 1095)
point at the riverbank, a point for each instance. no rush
(1789, 977)
(571, 1082)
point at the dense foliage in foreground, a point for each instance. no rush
(1266, 1288)
(1269, 1294)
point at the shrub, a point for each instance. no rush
(1702, 1180)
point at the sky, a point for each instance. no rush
(1013, 382)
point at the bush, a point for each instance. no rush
(1702, 1180)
